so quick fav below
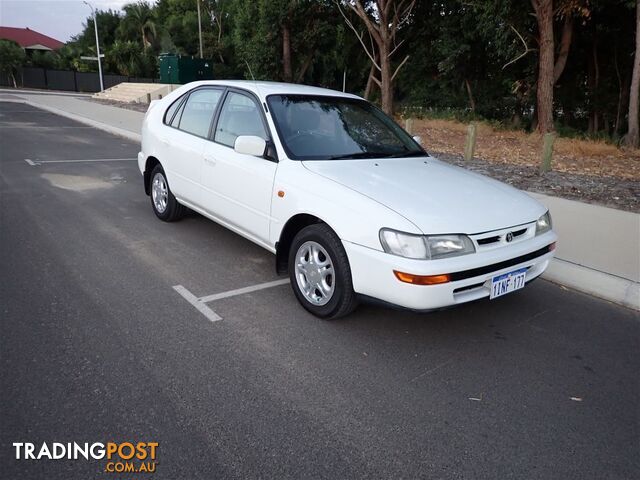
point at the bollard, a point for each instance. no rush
(408, 125)
(470, 144)
(148, 98)
(547, 151)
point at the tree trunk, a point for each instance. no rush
(382, 28)
(305, 66)
(616, 124)
(386, 88)
(472, 102)
(632, 138)
(565, 44)
(370, 82)
(593, 80)
(286, 53)
(544, 16)
(624, 101)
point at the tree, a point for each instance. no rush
(632, 138)
(382, 19)
(140, 17)
(544, 16)
(127, 57)
(12, 57)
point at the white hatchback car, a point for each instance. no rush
(350, 204)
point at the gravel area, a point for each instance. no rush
(138, 107)
(613, 192)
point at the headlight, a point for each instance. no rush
(543, 224)
(429, 247)
(403, 244)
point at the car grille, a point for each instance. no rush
(475, 272)
(501, 238)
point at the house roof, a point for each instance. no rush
(30, 39)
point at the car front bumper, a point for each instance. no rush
(372, 273)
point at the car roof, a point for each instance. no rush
(264, 89)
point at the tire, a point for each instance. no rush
(164, 204)
(325, 292)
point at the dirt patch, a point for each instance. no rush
(584, 157)
(138, 107)
(76, 183)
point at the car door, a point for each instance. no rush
(183, 141)
(237, 187)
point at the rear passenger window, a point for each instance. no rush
(198, 111)
(239, 116)
(171, 110)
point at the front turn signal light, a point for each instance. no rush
(422, 279)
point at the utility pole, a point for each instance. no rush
(95, 25)
(199, 28)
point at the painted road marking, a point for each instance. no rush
(242, 291)
(196, 302)
(92, 160)
(39, 127)
(200, 303)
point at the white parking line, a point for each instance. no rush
(90, 160)
(195, 301)
(42, 162)
(241, 291)
(200, 303)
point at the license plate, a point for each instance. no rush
(508, 282)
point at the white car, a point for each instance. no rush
(350, 204)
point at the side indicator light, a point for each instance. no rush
(281, 193)
(422, 279)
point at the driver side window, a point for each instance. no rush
(239, 116)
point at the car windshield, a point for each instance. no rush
(336, 128)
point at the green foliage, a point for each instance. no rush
(468, 59)
(12, 57)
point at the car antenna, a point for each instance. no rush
(247, 63)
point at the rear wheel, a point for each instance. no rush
(164, 204)
(320, 273)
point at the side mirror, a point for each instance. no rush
(418, 139)
(250, 145)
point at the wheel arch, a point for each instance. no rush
(288, 233)
(149, 165)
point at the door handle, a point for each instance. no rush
(164, 140)
(211, 162)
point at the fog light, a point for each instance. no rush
(422, 279)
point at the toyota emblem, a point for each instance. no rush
(509, 237)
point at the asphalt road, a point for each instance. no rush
(97, 346)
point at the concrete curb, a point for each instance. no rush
(593, 282)
(121, 132)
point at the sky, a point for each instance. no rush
(60, 19)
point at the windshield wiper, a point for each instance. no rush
(360, 155)
(415, 153)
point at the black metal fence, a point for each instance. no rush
(66, 80)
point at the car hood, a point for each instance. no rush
(433, 195)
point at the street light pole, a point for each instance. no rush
(199, 28)
(95, 25)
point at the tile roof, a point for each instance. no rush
(26, 38)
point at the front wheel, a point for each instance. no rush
(320, 273)
(164, 204)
